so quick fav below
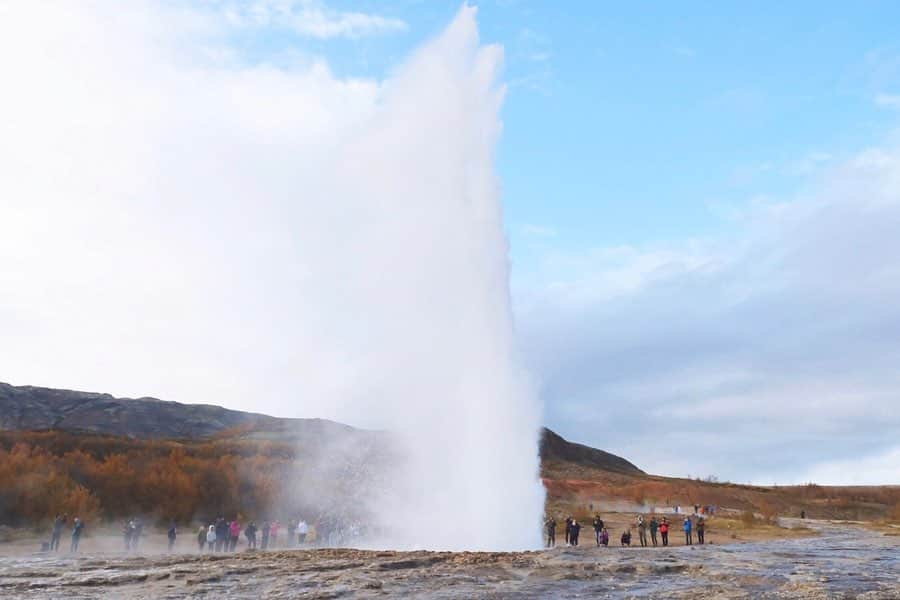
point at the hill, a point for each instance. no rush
(111, 456)
(29, 408)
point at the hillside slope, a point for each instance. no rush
(28, 408)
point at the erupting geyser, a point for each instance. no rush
(222, 227)
(427, 275)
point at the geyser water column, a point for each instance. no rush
(228, 228)
(424, 282)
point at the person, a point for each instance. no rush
(642, 531)
(302, 532)
(138, 531)
(221, 534)
(56, 533)
(235, 531)
(664, 531)
(688, 534)
(211, 538)
(598, 527)
(802, 514)
(77, 530)
(626, 538)
(568, 530)
(654, 525)
(128, 533)
(250, 534)
(701, 531)
(551, 532)
(291, 531)
(172, 534)
(604, 537)
(265, 534)
(273, 533)
(576, 529)
(201, 538)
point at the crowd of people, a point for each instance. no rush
(657, 528)
(219, 536)
(224, 536)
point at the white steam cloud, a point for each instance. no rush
(179, 222)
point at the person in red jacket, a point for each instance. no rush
(664, 531)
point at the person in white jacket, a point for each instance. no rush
(302, 531)
(211, 537)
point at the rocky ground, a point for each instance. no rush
(842, 562)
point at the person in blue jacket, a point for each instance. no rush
(688, 531)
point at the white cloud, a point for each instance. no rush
(310, 18)
(888, 100)
(537, 230)
(776, 347)
(878, 469)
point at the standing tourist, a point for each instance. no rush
(77, 530)
(664, 531)
(598, 527)
(250, 534)
(701, 531)
(172, 534)
(235, 534)
(642, 531)
(211, 538)
(291, 531)
(688, 534)
(201, 538)
(654, 525)
(273, 533)
(265, 534)
(550, 524)
(56, 533)
(576, 530)
(302, 532)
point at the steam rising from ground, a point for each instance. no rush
(180, 222)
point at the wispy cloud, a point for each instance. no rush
(311, 18)
(537, 230)
(888, 100)
(786, 326)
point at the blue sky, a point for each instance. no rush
(645, 122)
(702, 202)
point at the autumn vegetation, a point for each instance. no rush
(109, 478)
(106, 477)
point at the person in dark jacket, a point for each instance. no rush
(172, 534)
(701, 531)
(576, 529)
(77, 530)
(598, 528)
(250, 534)
(222, 535)
(654, 526)
(569, 530)
(626, 538)
(56, 533)
(551, 532)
